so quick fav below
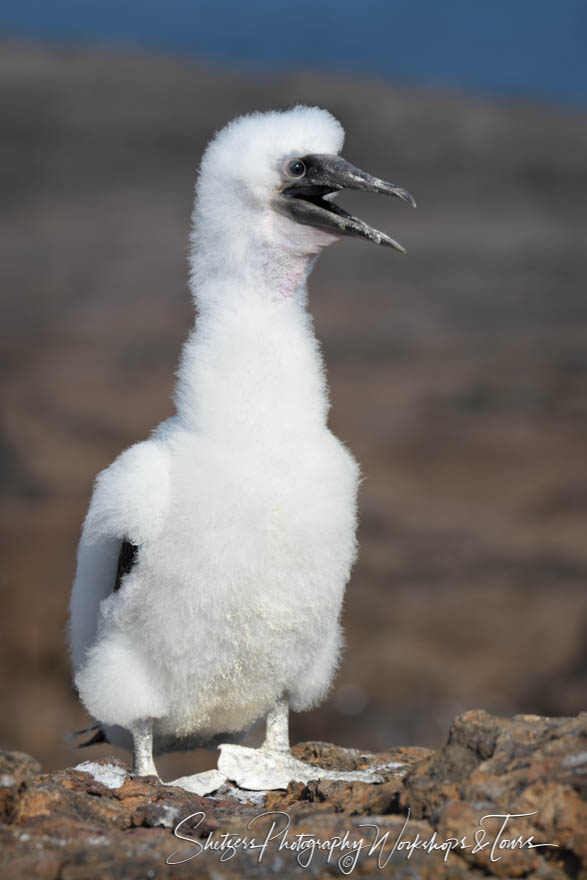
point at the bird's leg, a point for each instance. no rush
(143, 764)
(142, 734)
(273, 765)
(277, 730)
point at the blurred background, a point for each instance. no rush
(458, 374)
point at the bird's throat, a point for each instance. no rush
(250, 365)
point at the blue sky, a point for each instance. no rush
(515, 47)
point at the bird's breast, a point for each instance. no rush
(255, 522)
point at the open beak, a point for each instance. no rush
(305, 199)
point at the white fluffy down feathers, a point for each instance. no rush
(242, 505)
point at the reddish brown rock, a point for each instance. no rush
(438, 814)
(16, 771)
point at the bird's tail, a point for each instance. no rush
(99, 736)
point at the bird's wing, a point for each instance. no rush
(128, 508)
(131, 497)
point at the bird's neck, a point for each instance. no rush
(252, 369)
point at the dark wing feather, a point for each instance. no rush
(126, 561)
(99, 736)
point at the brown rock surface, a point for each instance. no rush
(68, 825)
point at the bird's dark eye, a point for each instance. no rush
(296, 168)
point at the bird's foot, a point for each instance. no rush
(200, 783)
(266, 769)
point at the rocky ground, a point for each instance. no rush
(102, 823)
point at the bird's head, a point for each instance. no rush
(270, 179)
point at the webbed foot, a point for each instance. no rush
(266, 769)
(200, 783)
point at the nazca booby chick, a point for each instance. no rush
(214, 556)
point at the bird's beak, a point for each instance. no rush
(303, 199)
